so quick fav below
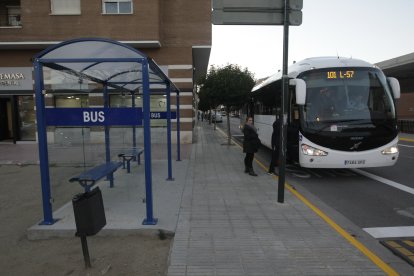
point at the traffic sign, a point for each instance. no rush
(240, 5)
(222, 17)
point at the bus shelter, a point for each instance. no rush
(110, 67)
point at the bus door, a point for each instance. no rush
(293, 124)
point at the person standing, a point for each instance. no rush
(274, 161)
(251, 144)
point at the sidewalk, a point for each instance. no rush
(231, 224)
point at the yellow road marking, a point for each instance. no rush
(374, 258)
(393, 244)
(410, 243)
(406, 139)
(405, 251)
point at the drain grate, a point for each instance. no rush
(402, 248)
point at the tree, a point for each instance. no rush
(229, 86)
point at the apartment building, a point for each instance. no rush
(176, 34)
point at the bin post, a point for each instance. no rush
(85, 251)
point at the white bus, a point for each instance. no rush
(341, 113)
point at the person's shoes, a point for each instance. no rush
(271, 173)
(252, 173)
(246, 170)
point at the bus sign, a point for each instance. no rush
(99, 116)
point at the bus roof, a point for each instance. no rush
(314, 63)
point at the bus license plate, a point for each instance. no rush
(354, 162)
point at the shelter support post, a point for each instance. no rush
(107, 148)
(42, 144)
(149, 220)
(178, 127)
(134, 128)
(169, 132)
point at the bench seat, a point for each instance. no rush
(130, 154)
(88, 178)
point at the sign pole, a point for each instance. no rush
(284, 101)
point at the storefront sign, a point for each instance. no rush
(16, 78)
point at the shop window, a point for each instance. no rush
(117, 7)
(65, 7)
(27, 118)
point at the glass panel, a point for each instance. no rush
(27, 117)
(158, 103)
(92, 49)
(127, 74)
(13, 16)
(347, 97)
(125, 7)
(65, 6)
(121, 101)
(71, 101)
(111, 7)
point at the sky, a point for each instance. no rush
(371, 30)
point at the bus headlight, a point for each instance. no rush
(308, 150)
(391, 150)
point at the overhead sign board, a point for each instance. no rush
(93, 116)
(256, 5)
(99, 116)
(221, 17)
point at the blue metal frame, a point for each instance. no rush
(169, 133)
(42, 144)
(149, 220)
(178, 127)
(146, 63)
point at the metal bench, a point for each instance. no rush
(88, 178)
(128, 155)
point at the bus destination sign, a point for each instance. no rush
(349, 74)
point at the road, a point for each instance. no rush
(378, 200)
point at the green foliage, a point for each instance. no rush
(229, 86)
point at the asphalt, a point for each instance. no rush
(224, 221)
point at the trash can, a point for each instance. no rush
(89, 212)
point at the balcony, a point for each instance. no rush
(10, 14)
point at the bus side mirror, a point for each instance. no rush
(300, 90)
(395, 87)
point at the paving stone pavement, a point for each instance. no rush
(231, 224)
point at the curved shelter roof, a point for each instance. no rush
(103, 61)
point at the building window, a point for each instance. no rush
(117, 7)
(65, 7)
(13, 16)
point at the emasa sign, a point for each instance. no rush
(16, 78)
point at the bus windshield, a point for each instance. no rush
(338, 99)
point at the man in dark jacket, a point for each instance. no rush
(251, 144)
(274, 161)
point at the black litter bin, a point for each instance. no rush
(89, 212)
